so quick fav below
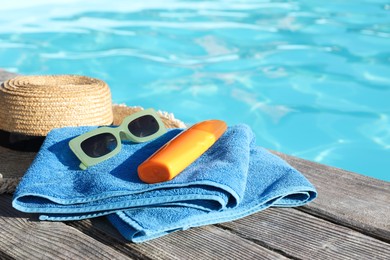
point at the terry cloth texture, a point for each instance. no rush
(233, 179)
(14, 163)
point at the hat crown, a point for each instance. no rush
(33, 105)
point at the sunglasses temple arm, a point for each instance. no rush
(83, 166)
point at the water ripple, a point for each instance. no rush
(171, 60)
(311, 80)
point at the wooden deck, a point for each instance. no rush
(350, 219)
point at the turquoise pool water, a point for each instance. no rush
(312, 80)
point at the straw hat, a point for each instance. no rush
(33, 105)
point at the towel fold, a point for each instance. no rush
(271, 182)
(234, 178)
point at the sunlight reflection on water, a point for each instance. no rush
(312, 81)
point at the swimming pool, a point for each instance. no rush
(311, 80)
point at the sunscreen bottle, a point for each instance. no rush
(173, 157)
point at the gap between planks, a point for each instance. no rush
(347, 198)
(305, 236)
(289, 232)
(207, 242)
(24, 237)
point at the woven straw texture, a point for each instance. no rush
(13, 164)
(33, 105)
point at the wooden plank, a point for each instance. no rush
(4, 256)
(304, 236)
(347, 198)
(24, 237)
(208, 242)
(8, 166)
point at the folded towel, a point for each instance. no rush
(55, 185)
(270, 182)
(232, 179)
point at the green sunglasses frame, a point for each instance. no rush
(120, 132)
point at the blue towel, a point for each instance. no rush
(232, 179)
(270, 182)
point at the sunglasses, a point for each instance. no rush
(103, 143)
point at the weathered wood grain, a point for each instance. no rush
(207, 242)
(4, 256)
(14, 163)
(347, 198)
(304, 236)
(23, 237)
